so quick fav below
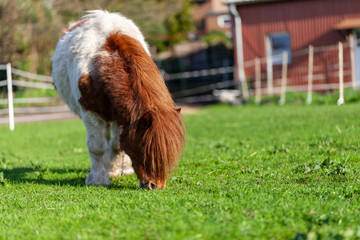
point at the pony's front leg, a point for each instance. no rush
(120, 163)
(97, 144)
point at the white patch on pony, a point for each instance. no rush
(72, 58)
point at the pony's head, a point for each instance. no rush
(154, 143)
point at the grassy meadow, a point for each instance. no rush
(248, 172)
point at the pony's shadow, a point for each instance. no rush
(45, 177)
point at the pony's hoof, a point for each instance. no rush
(128, 171)
(126, 167)
(115, 173)
(91, 180)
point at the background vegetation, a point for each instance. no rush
(29, 29)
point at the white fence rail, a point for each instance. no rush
(32, 76)
(38, 113)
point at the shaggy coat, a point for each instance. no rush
(103, 70)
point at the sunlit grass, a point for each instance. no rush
(250, 172)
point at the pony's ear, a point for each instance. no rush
(178, 110)
(146, 120)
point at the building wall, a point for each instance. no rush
(308, 22)
(219, 6)
(200, 10)
(213, 25)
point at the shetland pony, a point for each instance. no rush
(103, 70)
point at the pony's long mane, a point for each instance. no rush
(125, 86)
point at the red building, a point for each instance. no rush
(270, 27)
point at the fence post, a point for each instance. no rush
(283, 77)
(310, 74)
(244, 86)
(257, 80)
(269, 66)
(10, 97)
(269, 71)
(341, 75)
(352, 61)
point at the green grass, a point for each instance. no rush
(253, 172)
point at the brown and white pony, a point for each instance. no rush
(103, 70)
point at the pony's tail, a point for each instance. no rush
(163, 142)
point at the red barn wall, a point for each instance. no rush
(308, 22)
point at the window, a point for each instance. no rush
(357, 38)
(276, 44)
(224, 21)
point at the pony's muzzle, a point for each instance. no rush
(152, 184)
(147, 185)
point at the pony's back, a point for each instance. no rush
(80, 43)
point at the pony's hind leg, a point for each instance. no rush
(126, 166)
(97, 143)
(120, 162)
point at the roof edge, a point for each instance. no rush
(348, 23)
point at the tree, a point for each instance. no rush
(179, 24)
(29, 29)
(9, 15)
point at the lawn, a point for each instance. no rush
(251, 172)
